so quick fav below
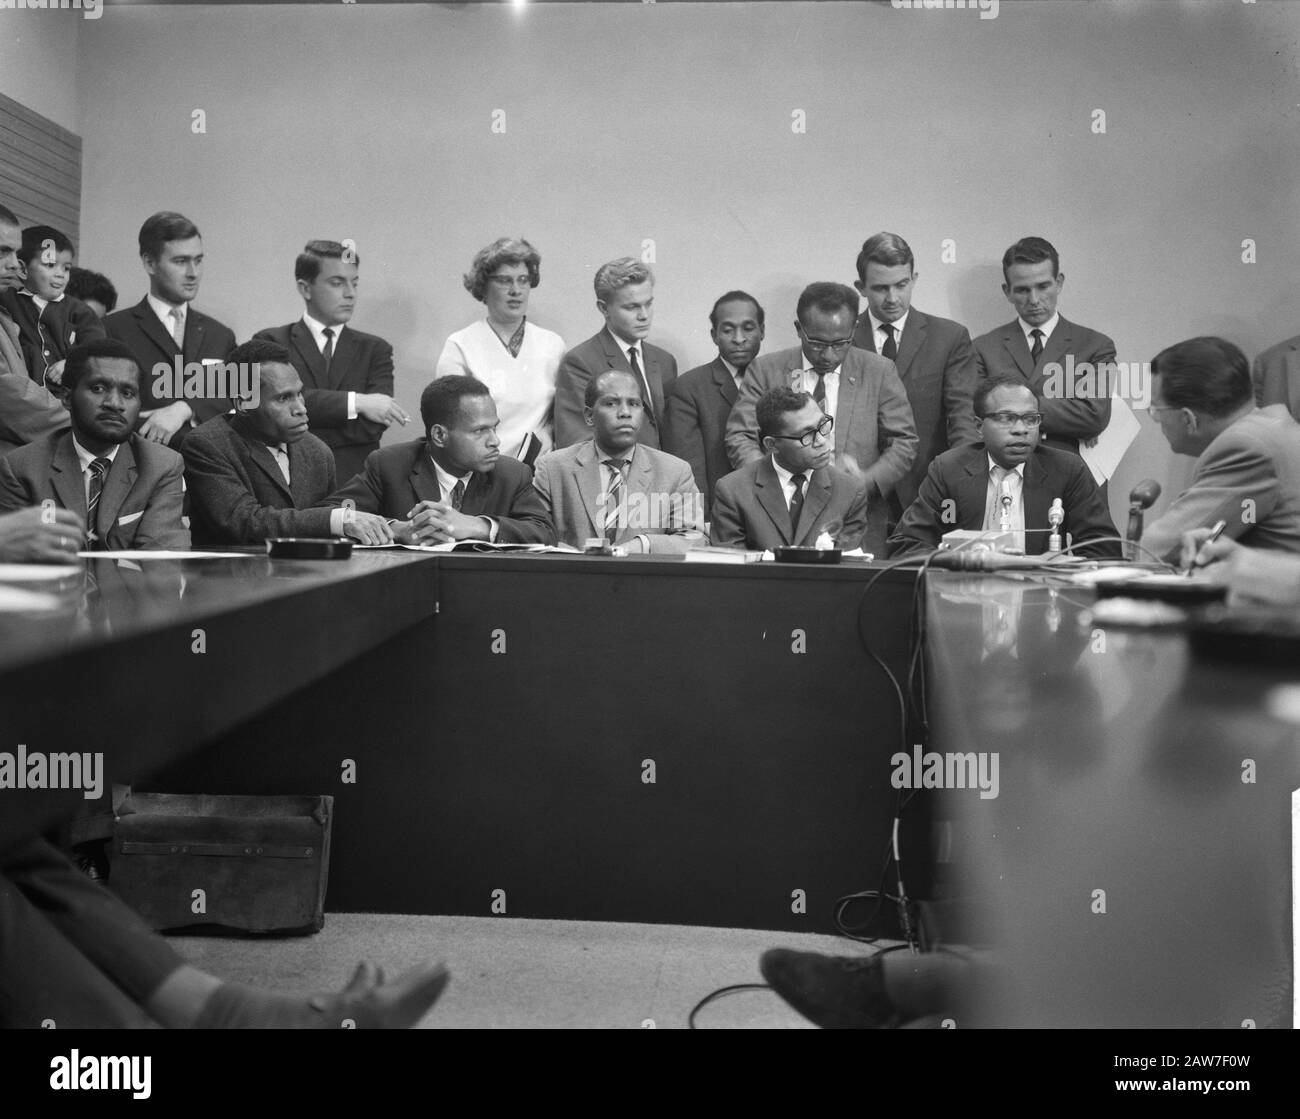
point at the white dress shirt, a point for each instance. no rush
(787, 481)
(806, 381)
(318, 336)
(878, 330)
(447, 483)
(1028, 330)
(1001, 515)
(85, 458)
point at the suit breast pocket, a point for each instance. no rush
(129, 518)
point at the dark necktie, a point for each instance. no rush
(641, 382)
(819, 390)
(98, 471)
(327, 354)
(796, 503)
(890, 348)
(1036, 350)
(614, 498)
(457, 495)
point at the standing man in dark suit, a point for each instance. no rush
(699, 401)
(258, 473)
(1009, 475)
(792, 494)
(163, 326)
(1040, 345)
(625, 295)
(875, 438)
(127, 491)
(454, 484)
(933, 356)
(28, 410)
(347, 376)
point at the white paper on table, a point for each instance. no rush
(128, 554)
(15, 599)
(38, 572)
(1113, 443)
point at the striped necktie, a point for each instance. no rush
(98, 472)
(614, 498)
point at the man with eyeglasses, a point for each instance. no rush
(793, 494)
(1247, 458)
(874, 435)
(347, 375)
(1008, 483)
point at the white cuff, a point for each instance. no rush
(336, 522)
(352, 405)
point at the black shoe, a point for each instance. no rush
(835, 992)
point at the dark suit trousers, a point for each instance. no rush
(69, 950)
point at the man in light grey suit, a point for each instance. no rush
(875, 436)
(634, 496)
(625, 295)
(1248, 458)
(28, 411)
(934, 357)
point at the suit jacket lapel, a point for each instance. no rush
(817, 496)
(121, 477)
(195, 328)
(305, 344)
(851, 384)
(344, 354)
(66, 477)
(590, 480)
(1059, 344)
(1013, 338)
(725, 383)
(260, 456)
(301, 482)
(654, 375)
(973, 489)
(1038, 500)
(911, 342)
(153, 329)
(767, 488)
(424, 480)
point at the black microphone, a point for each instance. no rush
(1142, 497)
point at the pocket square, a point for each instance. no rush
(127, 518)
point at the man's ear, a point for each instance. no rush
(589, 415)
(22, 269)
(303, 288)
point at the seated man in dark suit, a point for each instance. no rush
(127, 491)
(1009, 479)
(793, 495)
(1247, 458)
(625, 295)
(28, 410)
(163, 327)
(347, 376)
(454, 484)
(610, 487)
(258, 473)
(875, 438)
(700, 400)
(1041, 347)
(934, 357)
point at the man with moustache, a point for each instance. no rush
(347, 375)
(258, 473)
(632, 496)
(698, 403)
(127, 491)
(28, 411)
(164, 326)
(1007, 483)
(625, 295)
(874, 436)
(793, 494)
(454, 484)
(933, 356)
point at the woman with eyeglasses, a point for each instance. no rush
(515, 358)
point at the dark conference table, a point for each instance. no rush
(636, 740)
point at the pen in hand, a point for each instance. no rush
(1215, 533)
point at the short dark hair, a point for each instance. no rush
(34, 238)
(1031, 250)
(440, 401)
(591, 395)
(7, 215)
(888, 249)
(990, 385)
(504, 250)
(84, 284)
(1208, 375)
(81, 355)
(735, 297)
(828, 298)
(259, 351)
(774, 404)
(159, 228)
(307, 266)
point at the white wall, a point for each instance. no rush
(671, 122)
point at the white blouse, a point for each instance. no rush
(523, 387)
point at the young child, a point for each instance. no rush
(49, 322)
(94, 289)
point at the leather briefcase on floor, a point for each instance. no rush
(256, 864)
